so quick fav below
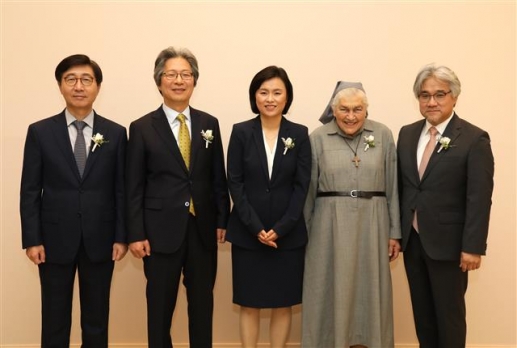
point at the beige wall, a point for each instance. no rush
(382, 44)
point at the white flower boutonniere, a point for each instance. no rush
(369, 141)
(207, 136)
(98, 139)
(288, 144)
(445, 143)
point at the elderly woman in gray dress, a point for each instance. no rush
(352, 215)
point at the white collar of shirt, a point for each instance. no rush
(173, 121)
(440, 128)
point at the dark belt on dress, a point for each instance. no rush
(353, 194)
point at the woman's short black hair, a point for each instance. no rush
(267, 74)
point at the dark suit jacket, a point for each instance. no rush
(261, 203)
(159, 185)
(453, 199)
(58, 208)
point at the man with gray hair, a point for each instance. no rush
(177, 201)
(446, 170)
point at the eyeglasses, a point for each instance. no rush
(173, 75)
(438, 96)
(85, 80)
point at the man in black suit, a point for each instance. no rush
(72, 206)
(446, 170)
(177, 201)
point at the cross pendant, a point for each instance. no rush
(356, 160)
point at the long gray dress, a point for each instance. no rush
(347, 297)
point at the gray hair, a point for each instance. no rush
(349, 92)
(171, 52)
(441, 73)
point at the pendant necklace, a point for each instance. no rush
(356, 159)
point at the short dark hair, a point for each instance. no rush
(75, 60)
(267, 74)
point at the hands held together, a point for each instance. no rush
(268, 238)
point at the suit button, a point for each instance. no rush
(79, 214)
(187, 204)
(267, 190)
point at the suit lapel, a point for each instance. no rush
(453, 131)
(196, 140)
(259, 144)
(60, 130)
(162, 127)
(414, 137)
(99, 126)
(283, 132)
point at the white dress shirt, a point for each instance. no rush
(270, 153)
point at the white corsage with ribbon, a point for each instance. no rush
(208, 137)
(288, 144)
(98, 140)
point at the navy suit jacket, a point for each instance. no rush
(159, 185)
(59, 209)
(453, 199)
(261, 203)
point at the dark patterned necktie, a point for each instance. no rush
(80, 147)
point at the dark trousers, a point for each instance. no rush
(57, 287)
(438, 297)
(163, 273)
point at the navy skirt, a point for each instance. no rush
(268, 278)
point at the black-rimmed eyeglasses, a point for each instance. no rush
(438, 96)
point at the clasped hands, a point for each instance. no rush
(268, 238)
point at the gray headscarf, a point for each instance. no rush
(328, 115)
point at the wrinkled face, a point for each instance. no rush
(79, 88)
(177, 90)
(350, 114)
(435, 101)
(271, 97)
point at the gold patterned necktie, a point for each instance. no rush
(184, 145)
(184, 140)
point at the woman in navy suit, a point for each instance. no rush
(269, 167)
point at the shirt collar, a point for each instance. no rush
(171, 114)
(440, 128)
(71, 118)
